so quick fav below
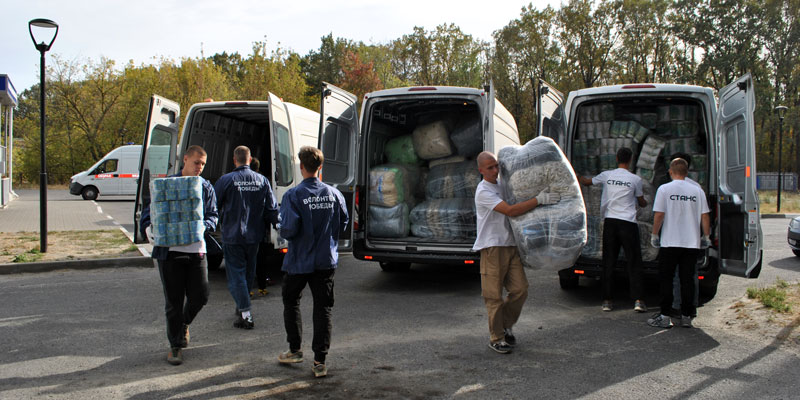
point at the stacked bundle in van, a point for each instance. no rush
(593, 134)
(392, 194)
(549, 236)
(176, 210)
(448, 211)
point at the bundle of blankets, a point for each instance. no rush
(549, 236)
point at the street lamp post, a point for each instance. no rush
(781, 110)
(45, 26)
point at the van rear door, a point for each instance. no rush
(159, 153)
(550, 111)
(739, 223)
(280, 158)
(338, 136)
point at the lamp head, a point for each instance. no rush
(781, 111)
(43, 27)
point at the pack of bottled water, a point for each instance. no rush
(176, 210)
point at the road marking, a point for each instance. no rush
(468, 388)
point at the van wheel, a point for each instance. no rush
(89, 193)
(796, 252)
(568, 281)
(395, 266)
(214, 261)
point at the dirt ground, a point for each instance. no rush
(66, 245)
(749, 318)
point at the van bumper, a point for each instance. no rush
(75, 188)
(362, 253)
(591, 267)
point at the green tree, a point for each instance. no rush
(588, 36)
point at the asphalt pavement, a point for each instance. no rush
(420, 334)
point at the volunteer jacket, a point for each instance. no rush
(313, 215)
(210, 216)
(246, 204)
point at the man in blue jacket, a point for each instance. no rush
(313, 215)
(246, 203)
(184, 269)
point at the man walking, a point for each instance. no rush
(681, 211)
(246, 203)
(622, 190)
(500, 265)
(313, 215)
(184, 269)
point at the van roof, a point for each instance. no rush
(641, 87)
(426, 90)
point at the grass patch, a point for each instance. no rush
(773, 297)
(28, 256)
(131, 248)
(23, 247)
(790, 201)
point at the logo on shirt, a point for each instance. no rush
(248, 186)
(680, 197)
(614, 182)
(319, 202)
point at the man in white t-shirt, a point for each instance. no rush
(676, 279)
(681, 212)
(622, 191)
(501, 266)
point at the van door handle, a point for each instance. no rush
(116, 175)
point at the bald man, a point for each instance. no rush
(501, 266)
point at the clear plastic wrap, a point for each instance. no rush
(432, 141)
(392, 184)
(444, 219)
(446, 160)
(549, 236)
(176, 210)
(594, 241)
(447, 181)
(649, 193)
(467, 137)
(389, 222)
(400, 150)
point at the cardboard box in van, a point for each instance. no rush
(273, 130)
(408, 171)
(114, 175)
(656, 121)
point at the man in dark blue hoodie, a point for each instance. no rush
(313, 215)
(246, 204)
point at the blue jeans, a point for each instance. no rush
(240, 268)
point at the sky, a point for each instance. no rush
(146, 30)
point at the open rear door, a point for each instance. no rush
(159, 153)
(282, 168)
(338, 140)
(550, 111)
(739, 223)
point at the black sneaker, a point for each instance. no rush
(510, 338)
(186, 337)
(244, 323)
(175, 356)
(501, 347)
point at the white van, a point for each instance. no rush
(656, 121)
(114, 175)
(273, 130)
(357, 153)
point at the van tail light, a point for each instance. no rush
(639, 86)
(421, 88)
(285, 250)
(368, 257)
(579, 271)
(700, 277)
(469, 261)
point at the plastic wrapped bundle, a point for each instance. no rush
(548, 236)
(452, 180)
(446, 160)
(432, 141)
(176, 210)
(594, 242)
(389, 222)
(444, 219)
(400, 150)
(651, 149)
(649, 193)
(649, 253)
(699, 162)
(392, 184)
(592, 198)
(467, 137)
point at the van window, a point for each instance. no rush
(160, 152)
(284, 162)
(336, 145)
(106, 167)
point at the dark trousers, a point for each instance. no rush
(183, 276)
(685, 259)
(262, 265)
(618, 233)
(321, 284)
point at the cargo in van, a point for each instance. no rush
(413, 172)
(114, 175)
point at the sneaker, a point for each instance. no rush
(639, 306)
(660, 321)
(252, 295)
(244, 323)
(510, 338)
(291, 357)
(175, 356)
(686, 321)
(675, 313)
(186, 337)
(607, 306)
(262, 292)
(501, 347)
(320, 370)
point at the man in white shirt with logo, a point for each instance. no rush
(501, 266)
(681, 211)
(622, 190)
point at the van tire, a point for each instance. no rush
(89, 193)
(395, 266)
(567, 279)
(214, 261)
(796, 252)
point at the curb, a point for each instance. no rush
(785, 216)
(96, 263)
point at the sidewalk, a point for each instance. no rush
(64, 213)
